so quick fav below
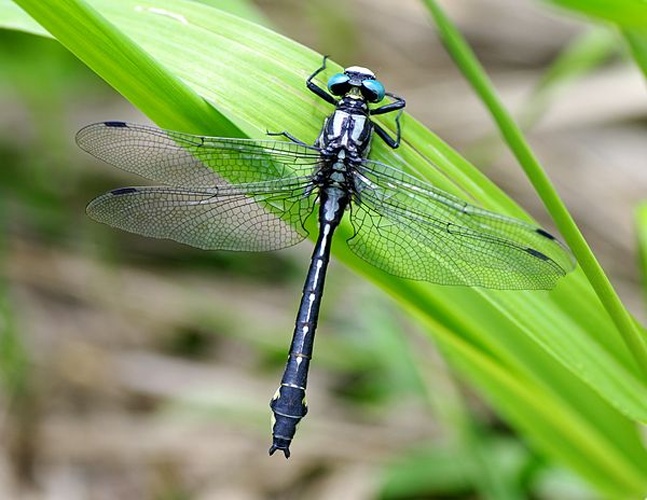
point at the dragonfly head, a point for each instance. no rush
(358, 82)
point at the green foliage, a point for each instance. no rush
(627, 13)
(552, 363)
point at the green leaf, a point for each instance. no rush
(629, 13)
(637, 41)
(553, 363)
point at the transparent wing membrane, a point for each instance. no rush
(411, 229)
(219, 219)
(247, 195)
(185, 160)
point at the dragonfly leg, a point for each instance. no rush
(392, 142)
(288, 136)
(397, 104)
(316, 89)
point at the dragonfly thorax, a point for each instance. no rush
(348, 129)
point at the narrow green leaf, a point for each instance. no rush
(629, 13)
(637, 41)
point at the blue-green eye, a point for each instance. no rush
(372, 90)
(338, 84)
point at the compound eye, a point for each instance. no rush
(372, 90)
(339, 84)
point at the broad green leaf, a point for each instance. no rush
(552, 362)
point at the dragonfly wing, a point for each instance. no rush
(178, 159)
(245, 218)
(413, 230)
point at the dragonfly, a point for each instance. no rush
(220, 193)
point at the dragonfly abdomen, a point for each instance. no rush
(289, 402)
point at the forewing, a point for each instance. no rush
(256, 218)
(185, 160)
(411, 229)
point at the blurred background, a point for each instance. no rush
(137, 368)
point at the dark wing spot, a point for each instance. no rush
(544, 234)
(120, 191)
(115, 124)
(537, 253)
